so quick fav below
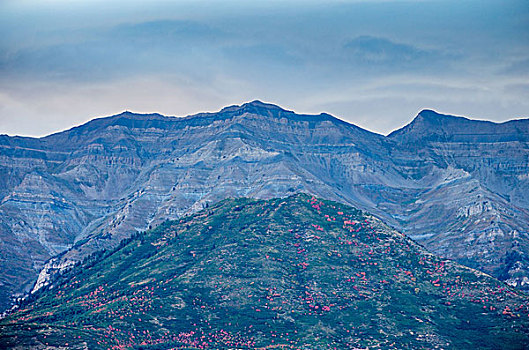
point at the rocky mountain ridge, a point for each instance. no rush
(460, 187)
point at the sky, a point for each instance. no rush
(374, 63)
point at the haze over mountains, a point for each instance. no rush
(459, 187)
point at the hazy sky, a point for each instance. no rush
(373, 63)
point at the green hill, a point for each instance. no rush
(299, 272)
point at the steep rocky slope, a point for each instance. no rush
(477, 211)
(289, 273)
(458, 186)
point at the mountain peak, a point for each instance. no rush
(433, 117)
(261, 104)
(135, 115)
(255, 105)
(433, 126)
(430, 114)
(427, 123)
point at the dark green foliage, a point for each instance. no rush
(297, 273)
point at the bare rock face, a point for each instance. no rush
(482, 202)
(460, 186)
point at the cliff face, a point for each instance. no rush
(459, 187)
(477, 210)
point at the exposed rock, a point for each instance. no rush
(460, 186)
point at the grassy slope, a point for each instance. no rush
(286, 273)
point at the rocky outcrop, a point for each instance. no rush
(460, 186)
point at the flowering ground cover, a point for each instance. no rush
(291, 273)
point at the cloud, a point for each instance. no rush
(58, 105)
(264, 54)
(135, 48)
(518, 90)
(164, 32)
(379, 52)
(356, 59)
(517, 68)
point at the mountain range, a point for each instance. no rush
(296, 272)
(459, 187)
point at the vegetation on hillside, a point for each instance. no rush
(292, 273)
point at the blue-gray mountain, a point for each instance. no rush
(460, 187)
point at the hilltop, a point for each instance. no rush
(287, 273)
